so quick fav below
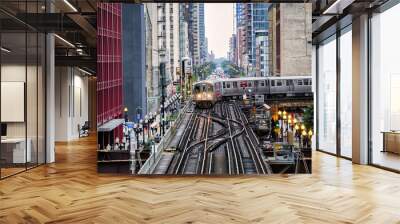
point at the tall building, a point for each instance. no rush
(262, 54)
(168, 39)
(134, 59)
(202, 36)
(174, 41)
(241, 49)
(183, 31)
(250, 19)
(152, 57)
(109, 63)
(192, 14)
(194, 33)
(290, 44)
(232, 49)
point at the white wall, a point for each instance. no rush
(33, 126)
(71, 103)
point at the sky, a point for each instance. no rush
(218, 21)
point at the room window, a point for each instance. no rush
(327, 95)
(385, 89)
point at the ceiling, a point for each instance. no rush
(329, 15)
(74, 22)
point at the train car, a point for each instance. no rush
(237, 87)
(206, 93)
(290, 86)
(264, 87)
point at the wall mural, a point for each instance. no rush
(184, 91)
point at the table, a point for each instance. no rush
(13, 150)
(391, 141)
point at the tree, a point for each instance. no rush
(204, 70)
(231, 69)
(308, 117)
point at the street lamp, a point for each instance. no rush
(150, 123)
(146, 121)
(297, 133)
(138, 113)
(304, 135)
(126, 114)
(183, 77)
(142, 129)
(162, 120)
(310, 133)
(137, 131)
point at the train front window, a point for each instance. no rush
(262, 83)
(234, 84)
(272, 82)
(228, 85)
(306, 82)
(279, 83)
(196, 89)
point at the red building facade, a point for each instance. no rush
(109, 62)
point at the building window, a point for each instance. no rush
(327, 96)
(385, 88)
(346, 94)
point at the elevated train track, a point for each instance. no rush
(217, 141)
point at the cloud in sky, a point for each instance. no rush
(218, 19)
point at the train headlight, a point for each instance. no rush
(198, 96)
(209, 95)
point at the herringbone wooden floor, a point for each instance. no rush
(70, 191)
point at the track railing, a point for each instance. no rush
(155, 156)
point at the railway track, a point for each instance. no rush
(218, 141)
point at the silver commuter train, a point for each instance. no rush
(206, 93)
(217, 89)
